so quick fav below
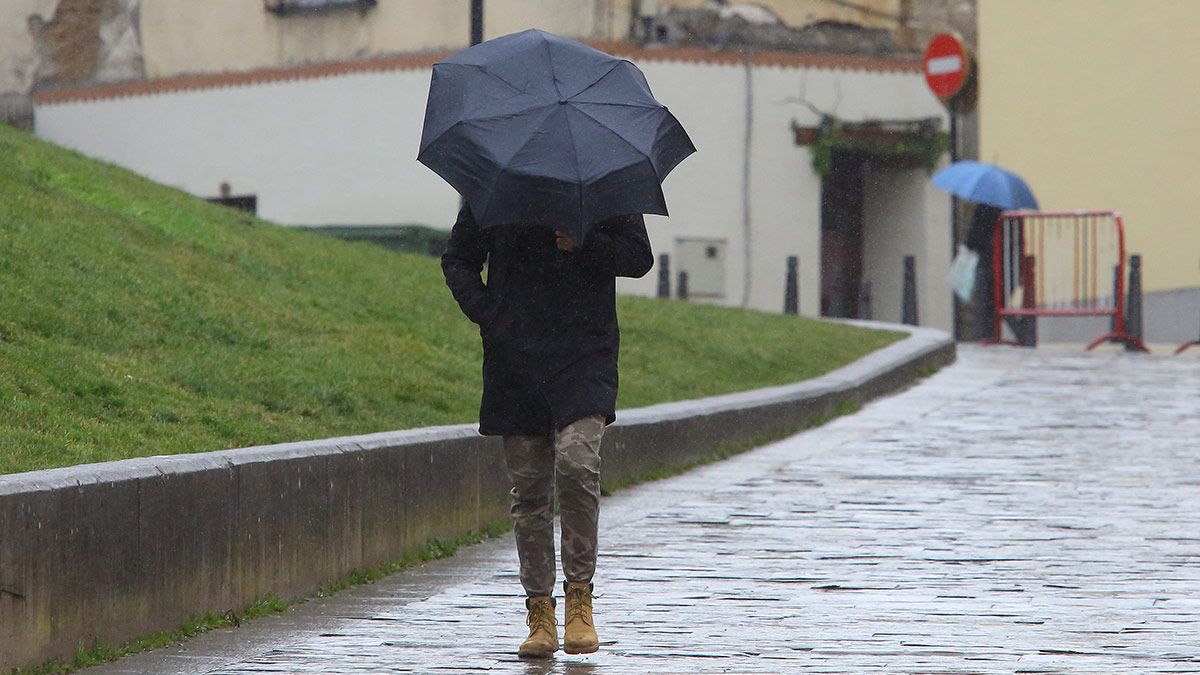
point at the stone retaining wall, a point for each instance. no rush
(104, 553)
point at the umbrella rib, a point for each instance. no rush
(497, 116)
(502, 168)
(623, 140)
(439, 137)
(602, 76)
(460, 123)
(646, 106)
(550, 60)
(485, 72)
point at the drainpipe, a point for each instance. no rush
(749, 61)
(955, 304)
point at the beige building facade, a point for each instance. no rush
(1094, 104)
(77, 41)
(184, 36)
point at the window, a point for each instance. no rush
(288, 7)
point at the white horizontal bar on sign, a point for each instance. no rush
(944, 64)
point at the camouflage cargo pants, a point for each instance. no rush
(534, 462)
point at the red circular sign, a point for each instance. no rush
(945, 65)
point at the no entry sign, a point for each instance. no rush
(945, 65)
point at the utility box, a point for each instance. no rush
(704, 262)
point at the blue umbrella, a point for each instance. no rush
(535, 128)
(986, 184)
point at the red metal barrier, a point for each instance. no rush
(1187, 345)
(1061, 264)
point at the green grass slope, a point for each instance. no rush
(136, 320)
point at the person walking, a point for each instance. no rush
(557, 149)
(984, 221)
(547, 318)
(979, 239)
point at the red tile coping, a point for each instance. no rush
(90, 92)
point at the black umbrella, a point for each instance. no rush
(535, 128)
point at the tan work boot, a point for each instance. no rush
(543, 629)
(579, 636)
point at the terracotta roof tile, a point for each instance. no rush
(89, 92)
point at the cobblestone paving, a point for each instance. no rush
(1019, 512)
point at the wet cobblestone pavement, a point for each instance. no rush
(1018, 512)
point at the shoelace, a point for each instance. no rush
(540, 619)
(576, 610)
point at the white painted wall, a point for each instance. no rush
(903, 214)
(705, 192)
(341, 150)
(337, 150)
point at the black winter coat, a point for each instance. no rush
(548, 318)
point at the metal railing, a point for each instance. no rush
(1061, 264)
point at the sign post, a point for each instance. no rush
(947, 67)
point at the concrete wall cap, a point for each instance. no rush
(157, 465)
(919, 342)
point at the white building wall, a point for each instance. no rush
(342, 149)
(936, 303)
(903, 214)
(705, 193)
(786, 191)
(328, 151)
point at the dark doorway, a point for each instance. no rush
(842, 236)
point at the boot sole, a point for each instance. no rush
(535, 654)
(582, 650)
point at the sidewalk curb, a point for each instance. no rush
(108, 552)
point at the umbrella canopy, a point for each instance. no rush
(986, 184)
(535, 128)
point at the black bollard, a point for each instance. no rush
(791, 287)
(909, 313)
(1187, 345)
(682, 288)
(1025, 328)
(1112, 328)
(864, 300)
(1133, 305)
(664, 276)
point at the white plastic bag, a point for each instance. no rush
(962, 272)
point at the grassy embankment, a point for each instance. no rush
(136, 320)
